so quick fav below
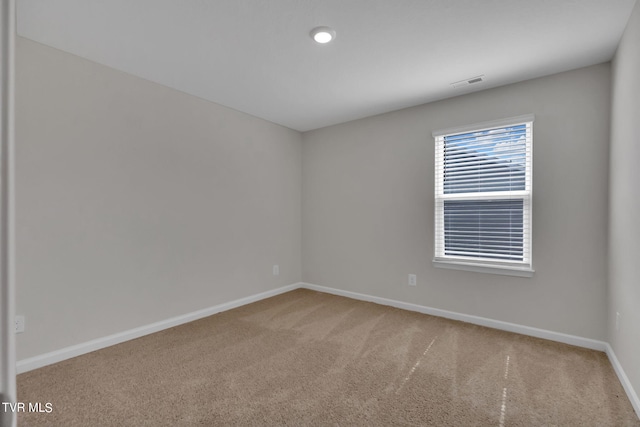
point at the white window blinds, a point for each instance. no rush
(483, 194)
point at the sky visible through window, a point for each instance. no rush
(506, 144)
(487, 160)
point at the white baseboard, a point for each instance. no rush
(35, 362)
(622, 376)
(476, 320)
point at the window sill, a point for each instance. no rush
(484, 268)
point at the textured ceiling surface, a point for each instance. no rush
(256, 56)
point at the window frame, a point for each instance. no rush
(522, 268)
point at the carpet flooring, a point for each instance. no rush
(309, 358)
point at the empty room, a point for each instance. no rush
(320, 212)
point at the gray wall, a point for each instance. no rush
(624, 214)
(367, 205)
(137, 203)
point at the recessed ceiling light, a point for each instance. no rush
(323, 34)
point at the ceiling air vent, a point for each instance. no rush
(467, 82)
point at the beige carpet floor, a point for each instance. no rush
(308, 358)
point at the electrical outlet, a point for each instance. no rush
(19, 324)
(276, 270)
(617, 321)
(413, 280)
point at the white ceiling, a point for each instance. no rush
(256, 56)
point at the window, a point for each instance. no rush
(483, 197)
